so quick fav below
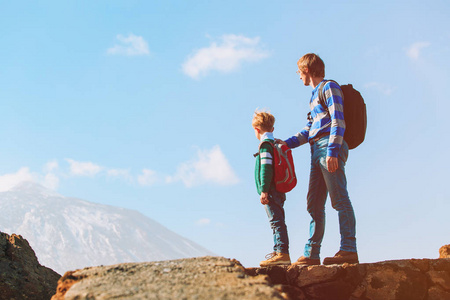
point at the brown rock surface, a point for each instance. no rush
(426, 279)
(444, 251)
(195, 278)
(221, 278)
(21, 275)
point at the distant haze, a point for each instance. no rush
(68, 233)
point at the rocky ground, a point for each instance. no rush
(21, 275)
(196, 278)
(221, 278)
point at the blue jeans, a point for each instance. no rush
(275, 212)
(322, 182)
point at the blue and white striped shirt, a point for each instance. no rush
(321, 120)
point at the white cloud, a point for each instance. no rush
(131, 45)
(83, 168)
(380, 87)
(50, 181)
(209, 166)
(147, 178)
(203, 222)
(51, 166)
(226, 56)
(414, 50)
(120, 173)
(9, 181)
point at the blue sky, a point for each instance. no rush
(148, 104)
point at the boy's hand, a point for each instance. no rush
(264, 198)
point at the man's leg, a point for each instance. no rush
(317, 195)
(337, 187)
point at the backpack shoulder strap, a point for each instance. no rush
(321, 95)
(260, 145)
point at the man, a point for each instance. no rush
(324, 132)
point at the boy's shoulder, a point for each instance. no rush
(266, 145)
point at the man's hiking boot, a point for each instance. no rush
(276, 259)
(306, 261)
(342, 257)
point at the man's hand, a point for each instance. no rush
(264, 198)
(332, 164)
(278, 141)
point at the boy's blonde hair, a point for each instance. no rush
(263, 120)
(313, 63)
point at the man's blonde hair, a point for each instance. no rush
(263, 120)
(313, 63)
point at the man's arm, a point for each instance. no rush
(335, 103)
(301, 137)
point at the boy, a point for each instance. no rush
(272, 200)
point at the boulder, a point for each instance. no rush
(21, 275)
(195, 278)
(444, 251)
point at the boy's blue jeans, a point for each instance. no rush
(322, 182)
(275, 212)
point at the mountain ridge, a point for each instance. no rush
(69, 233)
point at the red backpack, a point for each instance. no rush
(283, 167)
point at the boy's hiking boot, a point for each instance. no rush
(276, 259)
(342, 257)
(306, 261)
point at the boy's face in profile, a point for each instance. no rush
(257, 133)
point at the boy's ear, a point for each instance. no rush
(273, 128)
(257, 129)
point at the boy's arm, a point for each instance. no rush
(266, 173)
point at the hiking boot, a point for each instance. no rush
(306, 261)
(276, 259)
(342, 257)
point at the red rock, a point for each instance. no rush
(444, 251)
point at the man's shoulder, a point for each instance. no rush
(331, 84)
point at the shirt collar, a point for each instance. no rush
(267, 136)
(317, 87)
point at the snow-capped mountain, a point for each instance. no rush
(68, 233)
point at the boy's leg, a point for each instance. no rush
(276, 215)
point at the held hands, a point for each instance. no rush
(264, 198)
(332, 164)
